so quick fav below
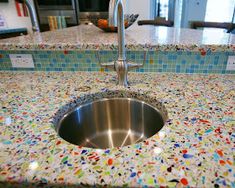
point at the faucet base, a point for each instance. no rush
(123, 83)
(121, 68)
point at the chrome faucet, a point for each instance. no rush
(32, 14)
(121, 65)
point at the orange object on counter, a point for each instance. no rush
(102, 23)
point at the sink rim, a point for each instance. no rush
(106, 99)
(88, 98)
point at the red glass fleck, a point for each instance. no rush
(110, 161)
(184, 181)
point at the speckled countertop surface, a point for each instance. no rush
(195, 148)
(137, 38)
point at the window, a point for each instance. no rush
(220, 11)
(161, 8)
(182, 12)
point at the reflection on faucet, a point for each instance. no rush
(121, 66)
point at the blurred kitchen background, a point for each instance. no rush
(57, 14)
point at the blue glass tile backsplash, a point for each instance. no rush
(156, 61)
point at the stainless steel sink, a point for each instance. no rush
(110, 122)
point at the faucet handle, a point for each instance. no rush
(132, 65)
(108, 65)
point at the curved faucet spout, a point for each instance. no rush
(113, 4)
(116, 18)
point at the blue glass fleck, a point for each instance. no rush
(177, 145)
(187, 156)
(133, 174)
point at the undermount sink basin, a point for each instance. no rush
(110, 122)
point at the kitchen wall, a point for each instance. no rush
(176, 61)
(11, 17)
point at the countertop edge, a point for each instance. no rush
(131, 47)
